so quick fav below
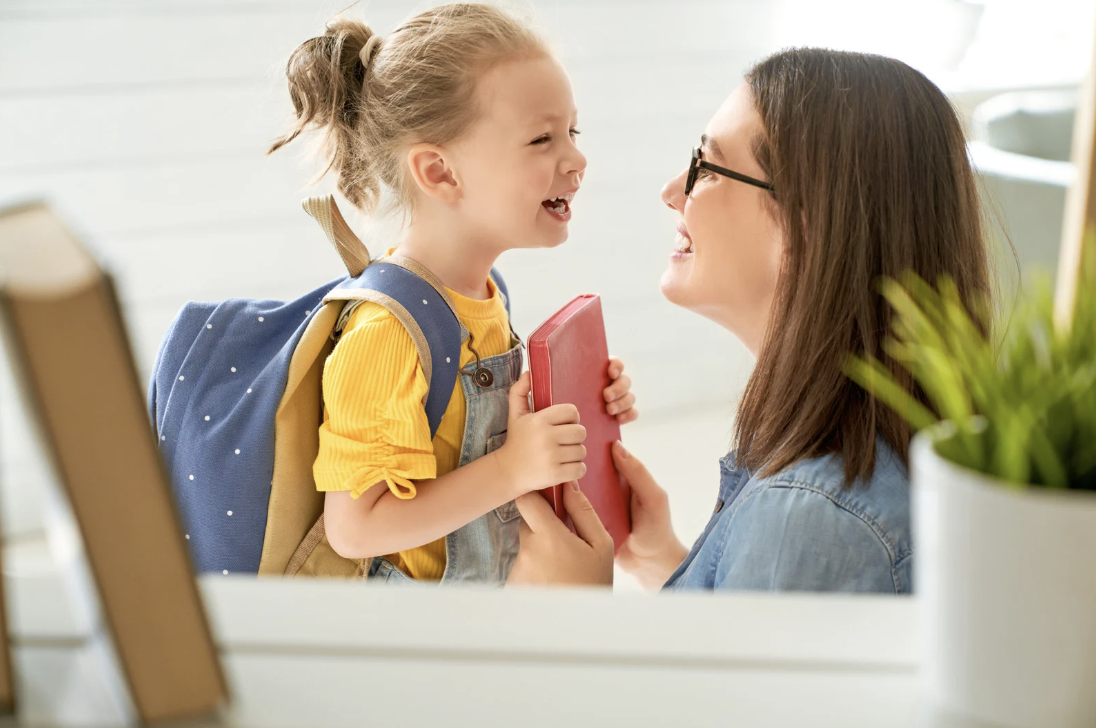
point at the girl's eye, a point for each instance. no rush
(575, 133)
(542, 140)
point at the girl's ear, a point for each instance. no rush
(432, 172)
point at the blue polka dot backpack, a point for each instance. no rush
(237, 405)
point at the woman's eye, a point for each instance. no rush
(702, 173)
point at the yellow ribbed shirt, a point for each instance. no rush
(375, 428)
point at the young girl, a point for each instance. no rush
(464, 115)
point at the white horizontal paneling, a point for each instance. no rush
(140, 127)
(95, 55)
(176, 44)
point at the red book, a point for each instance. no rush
(569, 361)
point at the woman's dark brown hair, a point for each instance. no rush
(872, 179)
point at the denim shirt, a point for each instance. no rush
(802, 529)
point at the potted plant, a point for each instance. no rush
(1003, 473)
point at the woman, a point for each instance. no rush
(821, 173)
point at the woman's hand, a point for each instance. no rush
(551, 554)
(652, 551)
(619, 400)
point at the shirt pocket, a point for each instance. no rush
(507, 511)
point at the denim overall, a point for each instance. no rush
(483, 550)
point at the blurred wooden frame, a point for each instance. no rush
(1080, 212)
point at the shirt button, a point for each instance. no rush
(719, 506)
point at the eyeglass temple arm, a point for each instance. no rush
(735, 175)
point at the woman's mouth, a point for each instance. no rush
(559, 207)
(683, 244)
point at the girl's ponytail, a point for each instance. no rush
(326, 79)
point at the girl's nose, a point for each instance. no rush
(576, 163)
(673, 192)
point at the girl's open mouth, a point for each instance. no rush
(559, 207)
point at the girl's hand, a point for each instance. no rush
(652, 551)
(620, 402)
(551, 554)
(542, 449)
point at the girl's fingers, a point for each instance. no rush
(570, 434)
(621, 405)
(572, 454)
(519, 396)
(572, 471)
(618, 388)
(560, 414)
(616, 367)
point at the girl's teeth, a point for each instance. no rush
(683, 244)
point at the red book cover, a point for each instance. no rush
(569, 361)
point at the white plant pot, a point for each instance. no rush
(1006, 583)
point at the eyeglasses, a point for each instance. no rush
(694, 169)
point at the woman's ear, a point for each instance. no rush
(432, 172)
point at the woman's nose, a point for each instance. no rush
(673, 192)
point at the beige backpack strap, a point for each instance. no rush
(354, 254)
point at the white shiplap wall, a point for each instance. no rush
(146, 123)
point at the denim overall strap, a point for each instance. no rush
(483, 550)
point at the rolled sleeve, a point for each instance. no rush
(375, 427)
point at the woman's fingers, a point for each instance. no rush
(642, 483)
(587, 524)
(627, 416)
(538, 515)
(621, 405)
(620, 387)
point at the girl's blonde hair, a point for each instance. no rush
(372, 98)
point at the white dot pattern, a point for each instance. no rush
(192, 477)
(209, 326)
(249, 390)
(181, 377)
(233, 370)
(230, 513)
(424, 303)
(447, 360)
(163, 437)
(207, 418)
(261, 319)
(237, 452)
(188, 537)
(225, 572)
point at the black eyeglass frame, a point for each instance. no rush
(696, 163)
